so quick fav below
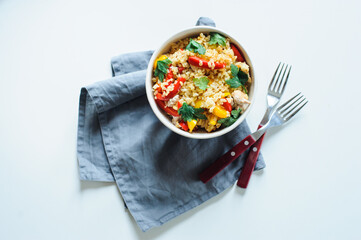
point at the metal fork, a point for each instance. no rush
(275, 89)
(282, 115)
(274, 94)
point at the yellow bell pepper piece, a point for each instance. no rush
(191, 124)
(220, 112)
(163, 57)
(212, 119)
(226, 94)
(198, 104)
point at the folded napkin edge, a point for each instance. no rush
(145, 226)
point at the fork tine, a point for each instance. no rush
(276, 88)
(274, 75)
(280, 108)
(283, 83)
(294, 113)
(289, 106)
(273, 83)
(291, 110)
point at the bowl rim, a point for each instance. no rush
(162, 116)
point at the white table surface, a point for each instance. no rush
(311, 187)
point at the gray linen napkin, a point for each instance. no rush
(120, 139)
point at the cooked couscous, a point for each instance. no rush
(202, 83)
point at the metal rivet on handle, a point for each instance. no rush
(254, 149)
(246, 143)
(233, 154)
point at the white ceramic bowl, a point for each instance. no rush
(162, 116)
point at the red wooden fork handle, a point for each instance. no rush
(250, 163)
(226, 159)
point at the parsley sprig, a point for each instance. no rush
(188, 113)
(217, 38)
(240, 78)
(226, 122)
(196, 47)
(201, 82)
(162, 68)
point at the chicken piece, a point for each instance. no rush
(243, 66)
(173, 101)
(240, 100)
(175, 121)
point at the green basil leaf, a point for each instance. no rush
(186, 112)
(233, 82)
(156, 72)
(226, 122)
(243, 77)
(201, 82)
(236, 113)
(198, 113)
(217, 38)
(160, 76)
(167, 61)
(162, 68)
(195, 47)
(234, 70)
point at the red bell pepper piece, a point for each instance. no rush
(177, 87)
(180, 69)
(169, 74)
(179, 105)
(168, 110)
(184, 126)
(196, 60)
(237, 53)
(227, 105)
(182, 79)
(160, 97)
(159, 89)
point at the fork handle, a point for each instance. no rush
(250, 163)
(226, 159)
